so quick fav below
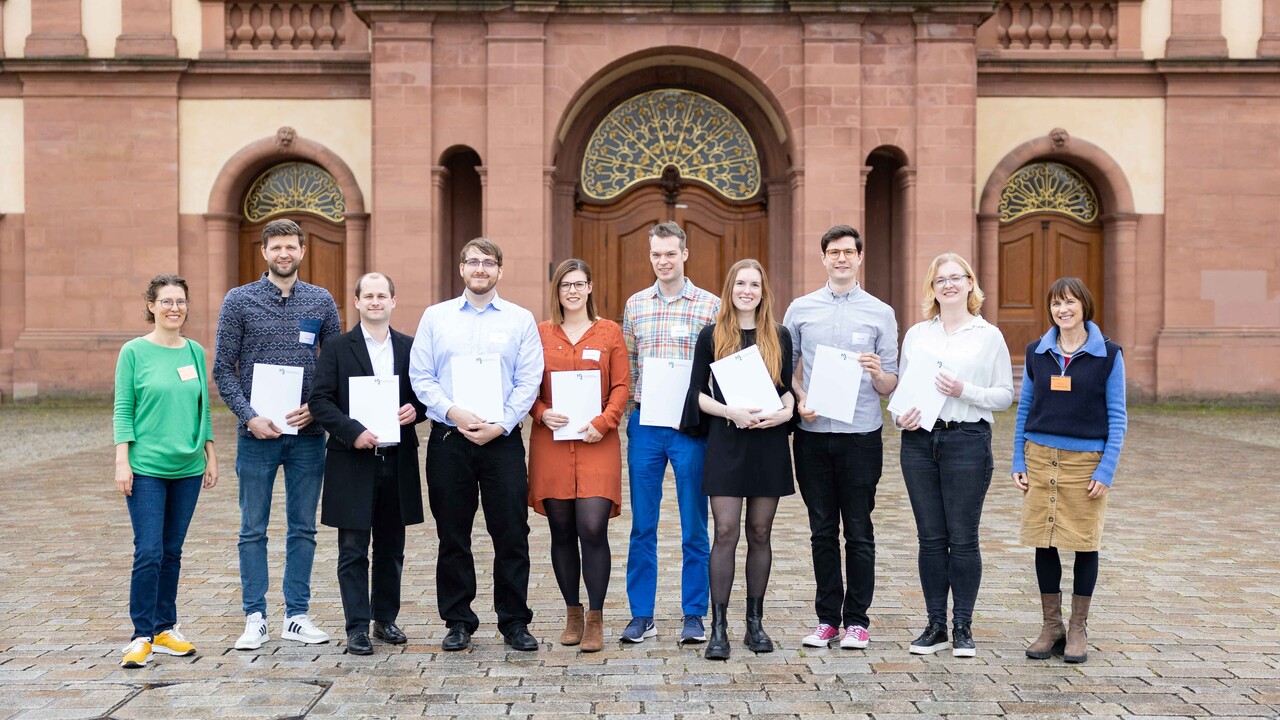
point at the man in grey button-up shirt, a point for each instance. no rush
(838, 464)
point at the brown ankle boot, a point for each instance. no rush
(1052, 634)
(1077, 650)
(593, 636)
(572, 634)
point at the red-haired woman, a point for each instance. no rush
(747, 453)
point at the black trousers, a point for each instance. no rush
(387, 534)
(837, 474)
(462, 477)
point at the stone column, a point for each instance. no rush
(55, 30)
(989, 264)
(946, 138)
(516, 203)
(1197, 30)
(146, 29)
(403, 235)
(1269, 43)
(832, 136)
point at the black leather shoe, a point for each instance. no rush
(389, 633)
(520, 639)
(358, 644)
(459, 638)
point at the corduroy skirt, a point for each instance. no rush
(1057, 511)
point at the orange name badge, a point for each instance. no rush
(187, 372)
(1061, 383)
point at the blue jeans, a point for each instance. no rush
(256, 464)
(648, 450)
(947, 473)
(160, 510)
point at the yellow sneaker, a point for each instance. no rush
(137, 654)
(171, 642)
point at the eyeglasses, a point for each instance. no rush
(169, 304)
(950, 280)
(578, 286)
(487, 264)
(850, 253)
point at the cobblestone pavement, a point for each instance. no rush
(1184, 623)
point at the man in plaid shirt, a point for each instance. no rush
(663, 321)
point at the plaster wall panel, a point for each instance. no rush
(211, 131)
(1157, 24)
(101, 22)
(186, 27)
(17, 25)
(1130, 130)
(1242, 27)
(11, 156)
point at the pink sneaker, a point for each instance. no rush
(821, 636)
(855, 637)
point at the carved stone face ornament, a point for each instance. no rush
(1060, 138)
(284, 139)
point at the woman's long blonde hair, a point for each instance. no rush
(728, 332)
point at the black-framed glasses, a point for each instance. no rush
(578, 286)
(941, 282)
(486, 264)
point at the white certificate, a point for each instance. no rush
(277, 391)
(576, 394)
(477, 385)
(744, 381)
(375, 404)
(917, 388)
(834, 383)
(664, 382)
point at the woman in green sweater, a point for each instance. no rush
(164, 454)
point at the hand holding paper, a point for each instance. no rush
(833, 386)
(917, 388)
(576, 395)
(665, 382)
(277, 392)
(374, 404)
(477, 385)
(744, 381)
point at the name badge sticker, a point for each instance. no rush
(860, 338)
(679, 332)
(308, 331)
(1060, 383)
(498, 338)
(591, 354)
(187, 372)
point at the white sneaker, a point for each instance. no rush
(255, 632)
(300, 628)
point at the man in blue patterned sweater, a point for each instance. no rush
(275, 320)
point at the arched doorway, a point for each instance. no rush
(668, 154)
(309, 196)
(1049, 228)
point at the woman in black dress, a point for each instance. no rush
(747, 452)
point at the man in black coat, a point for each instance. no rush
(372, 485)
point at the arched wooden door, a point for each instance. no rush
(1035, 251)
(324, 263)
(614, 240)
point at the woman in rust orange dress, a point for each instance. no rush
(577, 484)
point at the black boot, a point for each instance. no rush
(756, 640)
(718, 645)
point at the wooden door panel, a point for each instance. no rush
(1033, 253)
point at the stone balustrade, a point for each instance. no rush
(1022, 29)
(257, 29)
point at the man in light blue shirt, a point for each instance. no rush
(838, 464)
(473, 459)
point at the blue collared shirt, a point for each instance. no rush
(853, 321)
(1117, 413)
(455, 327)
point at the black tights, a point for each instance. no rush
(727, 512)
(585, 521)
(1049, 572)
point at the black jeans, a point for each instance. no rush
(837, 474)
(947, 473)
(387, 534)
(462, 476)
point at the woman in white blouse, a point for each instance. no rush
(948, 467)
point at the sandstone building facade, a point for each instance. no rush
(1133, 142)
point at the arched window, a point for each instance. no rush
(294, 187)
(670, 128)
(1048, 187)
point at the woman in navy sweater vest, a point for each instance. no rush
(1071, 425)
